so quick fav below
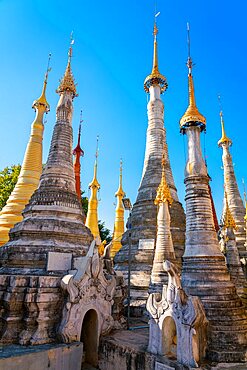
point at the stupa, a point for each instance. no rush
(204, 272)
(46, 244)
(144, 213)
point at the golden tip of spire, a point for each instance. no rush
(163, 192)
(227, 219)
(67, 82)
(155, 78)
(120, 192)
(224, 139)
(41, 101)
(192, 116)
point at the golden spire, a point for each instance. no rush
(92, 215)
(67, 83)
(224, 138)
(227, 219)
(155, 78)
(42, 99)
(163, 191)
(31, 170)
(119, 219)
(192, 116)
(120, 192)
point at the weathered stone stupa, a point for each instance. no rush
(31, 170)
(45, 245)
(235, 202)
(144, 212)
(204, 272)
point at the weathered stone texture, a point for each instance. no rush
(204, 271)
(43, 357)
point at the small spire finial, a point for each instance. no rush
(97, 148)
(155, 78)
(48, 69)
(192, 115)
(67, 82)
(42, 99)
(72, 41)
(224, 139)
(189, 61)
(79, 132)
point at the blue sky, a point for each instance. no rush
(112, 57)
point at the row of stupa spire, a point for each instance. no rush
(32, 164)
(31, 170)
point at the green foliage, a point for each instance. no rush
(105, 233)
(84, 203)
(8, 179)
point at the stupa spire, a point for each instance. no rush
(192, 114)
(67, 82)
(92, 214)
(78, 153)
(144, 211)
(155, 78)
(236, 205)
(224, 138)
(204, 272)
(31, 168)
(119, 218)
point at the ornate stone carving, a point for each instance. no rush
(177, 322)
(91, 288)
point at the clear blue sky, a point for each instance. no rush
(112, 56)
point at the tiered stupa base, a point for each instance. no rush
(208, 278)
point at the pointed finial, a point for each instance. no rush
(227, 219)
(79, 133)
(224, 139)
(192, 116)
(42, 99)
(78, 150)
(120, 191)
(95, 183)
(163, 192)
(67, 83)
(189, 60)
(97, 148)
(155, 78)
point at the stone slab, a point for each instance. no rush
(146, 244)
(59, 261)
(42, 357)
